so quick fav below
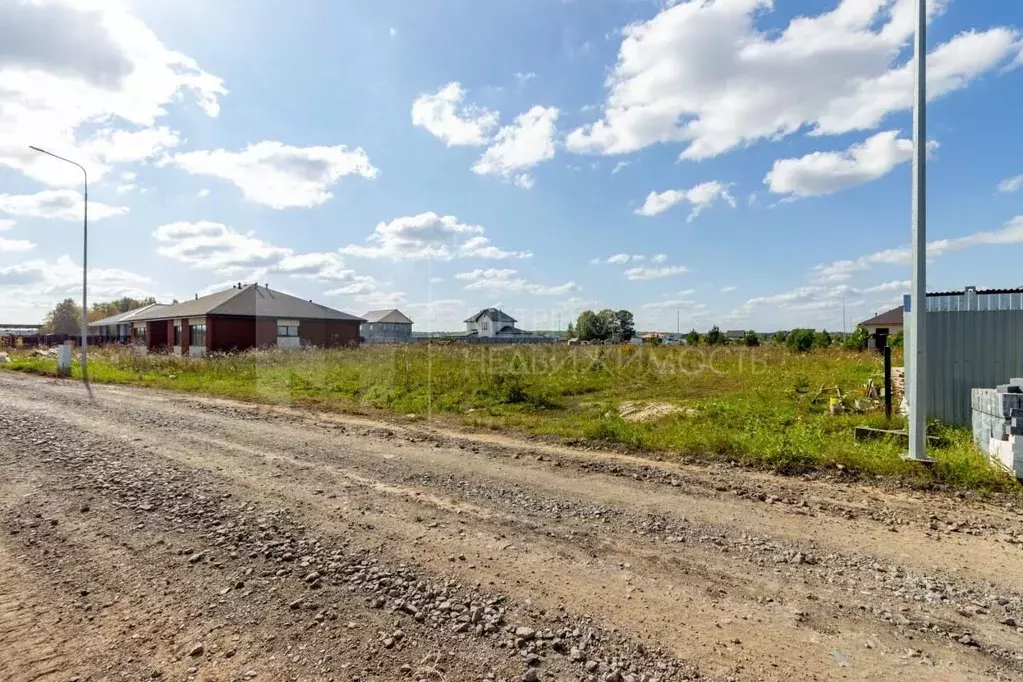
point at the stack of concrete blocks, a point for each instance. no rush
(998, 423)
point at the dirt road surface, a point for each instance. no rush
(148, 535)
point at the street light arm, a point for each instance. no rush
(85, 266)
(56, 156)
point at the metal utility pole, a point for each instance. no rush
(916, 355)
(85, 263)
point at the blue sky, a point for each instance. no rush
(705, 162)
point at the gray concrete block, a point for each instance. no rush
(982, 399)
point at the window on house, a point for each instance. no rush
(197, 335)
(140, 333)
(486, 325)
(177, 335)
(287, 330)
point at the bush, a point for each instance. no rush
(858, 340)
(822, 339)
(800, 340)
(716, 337)
(896, 340)
(750, 338)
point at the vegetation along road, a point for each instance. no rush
(149, 535)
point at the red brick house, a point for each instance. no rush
(244, 316)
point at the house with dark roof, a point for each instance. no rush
(386, 326)
(244, 316)
(117, 328)
(491, 323)
(883, 325)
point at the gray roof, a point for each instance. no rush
(251, 300)
(392, 315)
(127, 316)
(494, 315)
(885, 319)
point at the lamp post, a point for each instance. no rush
(916, 356)
(85, 262)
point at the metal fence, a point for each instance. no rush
(970, 300)
(969, 349)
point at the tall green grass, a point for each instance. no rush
(754, 406)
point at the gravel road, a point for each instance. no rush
(148, 535)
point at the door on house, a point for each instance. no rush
(881, 338)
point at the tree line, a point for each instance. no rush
(66, 316)
(607, 325)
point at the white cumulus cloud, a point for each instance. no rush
(840, 270)
(521, 146)
(15, 245)
(61, 204)
(823, 173)
(89, 81)
(1010, 185)
(714, 75)
(279, 175)
(506, 279)
(446, 118)
(700, 197)
(642, 274)
(429, 235)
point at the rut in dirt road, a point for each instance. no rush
(159, 535)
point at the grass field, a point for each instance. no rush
(750, 405)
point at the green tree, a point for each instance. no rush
(586, 327)
(822, 339)
(858, 340)
(780, 337)
(716, 337)
(800, 340)
(65, 318)
(750, 338)
(570, 332)
(607, 324)
(626, 326)
(693, 337)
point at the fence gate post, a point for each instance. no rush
(888, 381)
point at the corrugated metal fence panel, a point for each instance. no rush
(966, 350)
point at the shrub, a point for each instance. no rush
(822, 339)
(858, 340)
(750, 338)
(800, 340)
(716, 337)
(896, 340)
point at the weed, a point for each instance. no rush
(746, 404)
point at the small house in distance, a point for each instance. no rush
(242, 317)
(118, 328)
(386, 326)
(491, 325)
(881, 326)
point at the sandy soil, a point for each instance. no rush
(147, 535)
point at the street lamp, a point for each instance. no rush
(916, 355)
(85, 263)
